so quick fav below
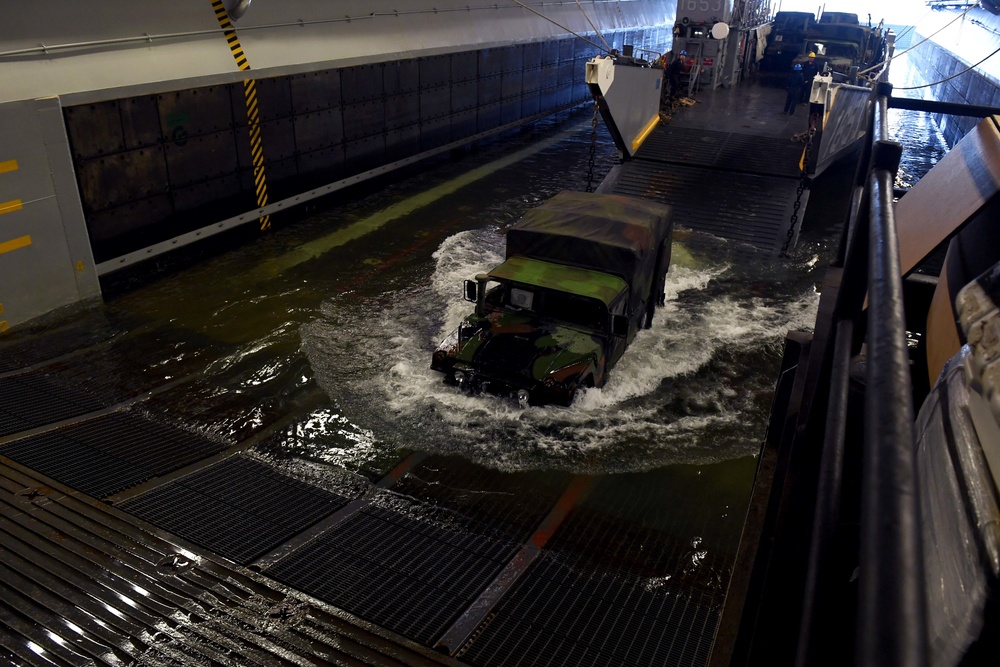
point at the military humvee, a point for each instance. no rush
(583, 273)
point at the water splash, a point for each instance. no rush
(687, 391)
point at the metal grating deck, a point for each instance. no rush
(85, 584)
(557, 615)
(411, 576)
(239, 508)
(735, 186)
(30, 401)
(509, 505)
(112, 452)
(635, 575)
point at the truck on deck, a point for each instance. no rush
(583, 273)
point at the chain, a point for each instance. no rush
(803, 184)
(593, 145)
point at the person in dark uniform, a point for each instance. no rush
(794, 88)
(674, 73)
(809, 70)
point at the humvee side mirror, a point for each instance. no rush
(471, 290)
(619, 325)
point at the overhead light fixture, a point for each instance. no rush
(237, 8)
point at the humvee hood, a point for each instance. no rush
(515, 346)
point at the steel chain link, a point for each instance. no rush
(803, 183)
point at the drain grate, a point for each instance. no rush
(30, 401)
(110, 453)
(557, 615)
(239, 508)
(408, 575)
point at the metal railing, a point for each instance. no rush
(891, 608)
(891, 617)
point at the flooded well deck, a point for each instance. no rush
(164, 445)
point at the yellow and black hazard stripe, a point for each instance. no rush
(253, 113)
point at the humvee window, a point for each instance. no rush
(496, 295)
(565, 307)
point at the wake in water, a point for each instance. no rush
(693, 389)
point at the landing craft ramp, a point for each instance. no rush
(731, 169)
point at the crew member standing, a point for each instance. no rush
(794, 88)
(809, 71)
(674, 73)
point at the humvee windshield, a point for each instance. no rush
(561, 306)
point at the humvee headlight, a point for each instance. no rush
(523, 397)
(460, 378)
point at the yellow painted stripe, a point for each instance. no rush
(650, 126)
(253, 114)
(8, 165)
(14, 244)
(10, 206)
(307, 251)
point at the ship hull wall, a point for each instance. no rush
(174, 128)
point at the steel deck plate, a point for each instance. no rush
(746, 208)
(239, 508)
(722, 151)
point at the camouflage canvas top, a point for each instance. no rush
(609, 233)
(584, 282)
